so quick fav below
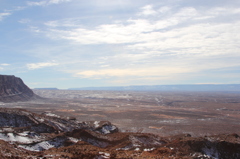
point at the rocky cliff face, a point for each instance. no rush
(12, 89)
(26, 135)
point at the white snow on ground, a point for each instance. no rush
(27, 138)
(38, 147)
(6, 130)
(51, 114)
(211, 152)
(16, 138)
(173, 121)
(74, 140)
(137, 142)
(96, 124)
(59, 125)
(40, 119)
(45, 145)
(25, 133)
(151, 149)
(204, 156)
(130, 146)
(104, 155)
(108, 128)
(137, 149)
(125, 148)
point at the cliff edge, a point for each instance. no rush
(13, 89)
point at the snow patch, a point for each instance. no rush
(104, 155)
(137, 149)
(96, 124)
(52, 115)
(107, 129)
(150, 149)
(74, 140)
(211, 152)
(45, 145)
(10, 137)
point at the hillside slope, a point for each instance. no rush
(13, 89)
(24, 134)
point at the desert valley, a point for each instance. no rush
(45, 123)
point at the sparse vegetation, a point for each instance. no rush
(146, 125)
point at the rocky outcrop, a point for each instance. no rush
(24, 134)
(39, 132)
(12, 89)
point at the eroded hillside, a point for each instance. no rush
(24, 134)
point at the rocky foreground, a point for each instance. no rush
(24, 134)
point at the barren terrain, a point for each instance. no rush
(163, 113)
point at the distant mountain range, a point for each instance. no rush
(190, 87)
(47, 88)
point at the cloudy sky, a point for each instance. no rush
(82, 43)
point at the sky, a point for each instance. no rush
(98, 43)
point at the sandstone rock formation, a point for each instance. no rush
(12, 89)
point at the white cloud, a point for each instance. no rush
(164, 9)
(33, 66)
(147, 10)
(139, 72)
(152, 46)
(104, 66)
(182, 33)
(23, 21)
(4, 64)
(71, 22)
(41, 3)
(131, 31)
(109, 33)
(195, 39)
(186, 13)
(46, 2)
(2, 15)
(158, 69)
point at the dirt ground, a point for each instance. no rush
(162, 113)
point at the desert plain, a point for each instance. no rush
(162, 113)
